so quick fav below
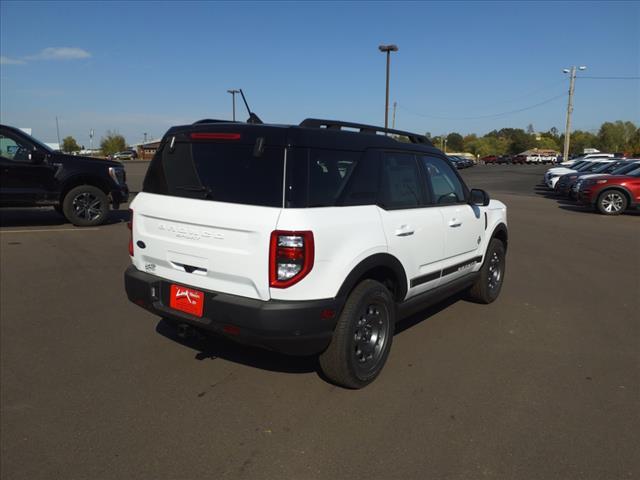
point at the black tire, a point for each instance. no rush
(86, 206)
(489, 283)
(612, 202)
(362, 339)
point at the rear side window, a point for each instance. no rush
(222, 172)
(319, 177)
(329, 171)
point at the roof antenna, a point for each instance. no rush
(253, 118)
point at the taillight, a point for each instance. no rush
(214, 136)
(290, 257)
(130, 227)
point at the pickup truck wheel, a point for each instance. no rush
(85, 206)
(362, 338)
(487, 287)
(611, 202)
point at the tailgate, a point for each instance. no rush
(211, 245)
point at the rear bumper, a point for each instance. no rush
(294, 328)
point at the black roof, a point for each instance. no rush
(314, 133)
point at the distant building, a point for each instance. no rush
(147, 150)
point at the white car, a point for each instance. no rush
(538, 158)
(308, 239)
(587, 156)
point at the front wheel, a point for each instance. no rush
(611, 202)
(489, 283)
(362, 337)
(86, 206)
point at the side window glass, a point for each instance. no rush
(362, 188)
(445, 185)
(329, 171)
(14, 149)
(400, 182)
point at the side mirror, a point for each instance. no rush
(479, 197)
(37, 157)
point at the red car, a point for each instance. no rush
(490, 159)
(613, 194)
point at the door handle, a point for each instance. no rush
(455, 223)
(404, 231)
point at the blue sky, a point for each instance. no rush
(140, 67)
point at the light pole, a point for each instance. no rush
(393, 124)
(388, 49)
(567, 131)
(233, 100)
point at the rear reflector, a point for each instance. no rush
(214, 136)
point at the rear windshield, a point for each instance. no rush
(222, 172)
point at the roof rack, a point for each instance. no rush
(370, 129)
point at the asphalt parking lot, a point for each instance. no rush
(542, 384)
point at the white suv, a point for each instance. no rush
(309, 239)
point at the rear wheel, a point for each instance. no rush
(612, 202)
(362, 338)
(85, 206)
(489, 283)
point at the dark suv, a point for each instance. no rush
(81, 188)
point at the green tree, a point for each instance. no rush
(69, 145)
(521, 141)
(112, 143)
(616, 137)
(547, 143)
(579, 141)
(455, 142)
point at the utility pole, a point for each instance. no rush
(388, 49)
(233, 101)
(145, 138)
(58, 131)
(91, 132)
(567, 131)
(395, 104)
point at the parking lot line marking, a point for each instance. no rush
(50, 230)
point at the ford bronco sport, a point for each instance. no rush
(309, 239)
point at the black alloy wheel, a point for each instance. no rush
(362, 338)
(86, 205)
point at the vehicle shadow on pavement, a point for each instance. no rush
(424, 315)
(47, 217)
(211, 347)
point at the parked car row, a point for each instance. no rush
(609, 185)
(461, 162)
(520, 159)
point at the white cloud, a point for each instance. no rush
(11, 61)
(61, 53)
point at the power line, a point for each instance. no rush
(485, 116)
(611, 78)
(525, 95)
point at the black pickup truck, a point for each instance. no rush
(81, 188)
